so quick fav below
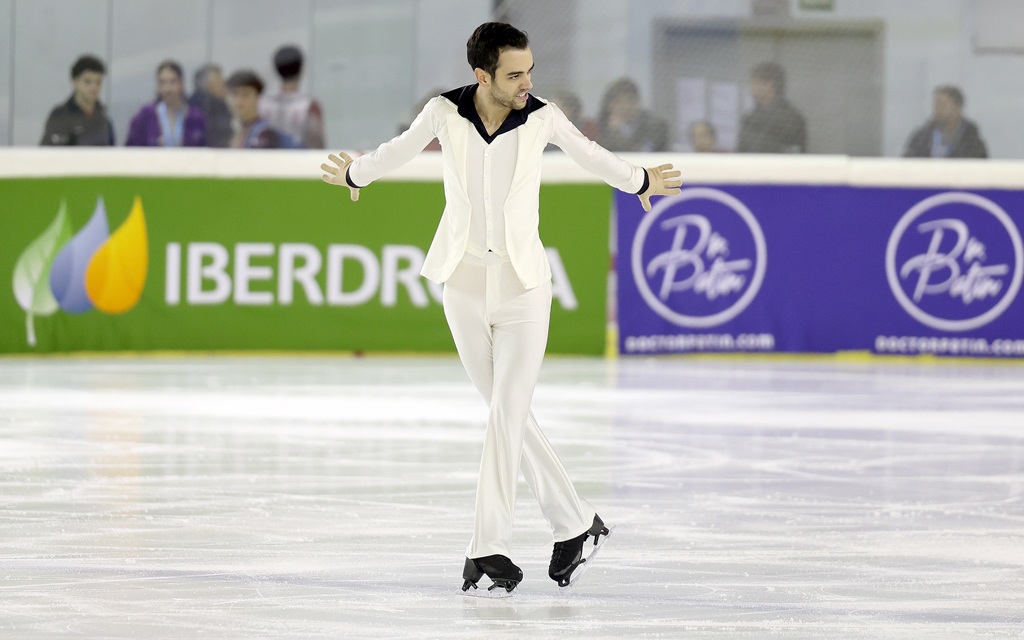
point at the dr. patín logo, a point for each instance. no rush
(955, 261)
(699, 258)
(91, 269)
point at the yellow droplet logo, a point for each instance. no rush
(116, 273)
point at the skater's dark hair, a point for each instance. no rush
(288, 62)
(87, 63)
(245, 78)
(489, 40)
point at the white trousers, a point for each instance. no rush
(501, 332)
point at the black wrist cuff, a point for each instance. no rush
(348, 180)
(647, 183)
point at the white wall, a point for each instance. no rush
(6, 67)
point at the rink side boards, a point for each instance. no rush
(267, 212)
(892, 257)
(212, 250)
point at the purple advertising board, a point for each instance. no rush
(791, 268)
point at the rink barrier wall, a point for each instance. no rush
(130, 252)
(235, 199)
(902, 258)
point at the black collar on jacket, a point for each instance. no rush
(463, 99)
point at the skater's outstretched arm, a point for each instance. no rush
(356, 174)
(655, 181)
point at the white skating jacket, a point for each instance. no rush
(451, 118)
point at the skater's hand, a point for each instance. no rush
(336, 175)
(660, 184)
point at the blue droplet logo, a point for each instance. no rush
(67, 275)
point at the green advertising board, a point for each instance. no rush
(195, 263)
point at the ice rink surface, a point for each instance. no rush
(274, 497)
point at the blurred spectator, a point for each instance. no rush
(168, 122)
(81, 120)
(434, 145)
(251, 131)
(571, 106)
(774, 126)
(948, 134)
(703, 138)
(624, 125)
(208, 97)
(295, 113)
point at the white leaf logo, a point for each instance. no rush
(32, 271)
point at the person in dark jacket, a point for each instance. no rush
(774, 126)
(81, 120)
(170, 121)
(623, 125)
(210, 93)
(948, 134)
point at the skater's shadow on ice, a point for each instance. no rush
(509, 609)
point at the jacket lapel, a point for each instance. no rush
(528, 141)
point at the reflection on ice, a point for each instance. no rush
(332, 497)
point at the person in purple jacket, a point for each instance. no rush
(170, 121)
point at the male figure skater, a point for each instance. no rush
(497, 294)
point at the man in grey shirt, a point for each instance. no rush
(209, 98)
(81, 120)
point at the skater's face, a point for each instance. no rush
(510, 86)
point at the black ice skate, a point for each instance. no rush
(568, 555)
(497, 567)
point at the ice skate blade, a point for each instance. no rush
(586, 562)
(488, 594)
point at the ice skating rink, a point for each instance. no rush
(302, 497)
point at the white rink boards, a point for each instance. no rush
(258, 497)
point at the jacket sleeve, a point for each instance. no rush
(595, 158)
(395, 152)
(51, 135)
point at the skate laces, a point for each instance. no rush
(566, 554)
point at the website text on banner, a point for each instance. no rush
(823, 269)
(137, 263)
